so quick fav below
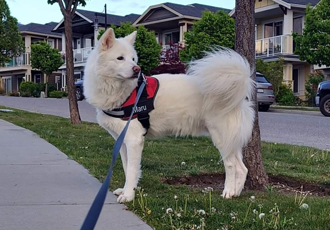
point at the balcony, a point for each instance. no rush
(274, 46)
(81, 55)
(21, 60)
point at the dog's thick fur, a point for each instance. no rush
(210, 99)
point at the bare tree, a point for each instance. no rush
(245, 45)
(68, 9)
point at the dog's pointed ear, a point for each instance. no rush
(131, 38)
(107, 39)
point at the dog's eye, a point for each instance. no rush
(133, 59)
(120, 58)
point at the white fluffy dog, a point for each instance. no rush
(211, 99)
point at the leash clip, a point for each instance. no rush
(141, 77)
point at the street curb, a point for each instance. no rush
(294, 107)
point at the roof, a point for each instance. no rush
(193, 10)
(39, 28)
(111, 18)
(302, 2)
(289, 3)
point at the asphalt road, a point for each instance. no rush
(307, 128)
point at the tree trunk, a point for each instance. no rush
(73, 105)
(245, 45)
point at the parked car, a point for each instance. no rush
(322, 98)
(79, 90)
(265, 92)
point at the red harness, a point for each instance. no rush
(144, 106)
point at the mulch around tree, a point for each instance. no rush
(280, 184)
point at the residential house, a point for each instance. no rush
(168, 20)
(275, 21)
(85, 30)
(19, 68)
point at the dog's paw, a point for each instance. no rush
(228, 193)
(119, 191)
(239, 187)
(125, 198)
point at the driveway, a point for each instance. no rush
(307, 128)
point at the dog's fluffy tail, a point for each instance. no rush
(223, 76)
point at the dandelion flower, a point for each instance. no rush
(169, 210)
(183, 163)
(209, 189)
(255, 211)
(201, 212)
(175, 197)
(178, 215)
(261, 215)
(304, 206)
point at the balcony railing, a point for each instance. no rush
(22, 60)
(81, 55)
(274, 46)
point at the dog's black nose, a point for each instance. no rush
(136, 69)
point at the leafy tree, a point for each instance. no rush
(245, 45)
(214, 29)
(68, 9)
(313, 45)
(273, 71)
(146, 46)
(46, 59)
(11, 43)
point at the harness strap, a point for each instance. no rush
(143, 118)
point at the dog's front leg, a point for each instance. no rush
(123, 155)
(134, 154)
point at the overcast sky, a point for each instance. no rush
(39, 11)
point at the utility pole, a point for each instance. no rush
(104, 15)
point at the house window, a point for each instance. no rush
(51, 43)
(172, 37)
(278, 28)
(6, 82)
(37, 78)
(298, 25)
(273, 29)
(77, 76)
(295, 77)
(176, 37)
(157, 37)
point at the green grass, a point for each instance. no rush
(91, 146)
(295, 108)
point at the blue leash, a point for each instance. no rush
(96, 208)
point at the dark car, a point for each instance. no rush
(322, 98)
(79, 90)
(265, 92)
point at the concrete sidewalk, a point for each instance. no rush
(41, 189)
